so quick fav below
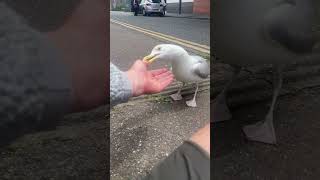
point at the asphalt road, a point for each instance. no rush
(127, 45)
(195, 30)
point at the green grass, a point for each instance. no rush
(159, 98)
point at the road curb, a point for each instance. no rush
(173, 88)
(188, 17)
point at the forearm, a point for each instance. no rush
(120, 86)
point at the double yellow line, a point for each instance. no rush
(192, 45)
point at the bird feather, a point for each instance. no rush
(201, 68)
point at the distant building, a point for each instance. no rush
(201, 7)
(189, 6)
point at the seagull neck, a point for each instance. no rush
(181, 58)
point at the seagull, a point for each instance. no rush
(186, 68)
(251, 32)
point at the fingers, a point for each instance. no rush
(165, 78)
(158, 71)
(165, 82)
(157, 85)
(163, 75)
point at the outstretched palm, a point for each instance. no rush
(148, 82)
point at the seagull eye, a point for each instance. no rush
(159, 48)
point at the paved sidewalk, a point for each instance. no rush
(191, 16)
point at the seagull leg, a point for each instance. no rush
(263, 131)
(192, 103)
(220, 110)
(177, 96)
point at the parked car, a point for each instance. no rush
(147, 7)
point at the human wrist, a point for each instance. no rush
(137, 88)
(120, 86)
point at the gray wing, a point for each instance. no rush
(201, 67)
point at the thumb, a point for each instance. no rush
(140, 65)
(143, 62)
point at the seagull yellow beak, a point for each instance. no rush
(150, 58)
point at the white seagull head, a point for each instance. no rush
(169, 52)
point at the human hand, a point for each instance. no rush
(148, 82)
